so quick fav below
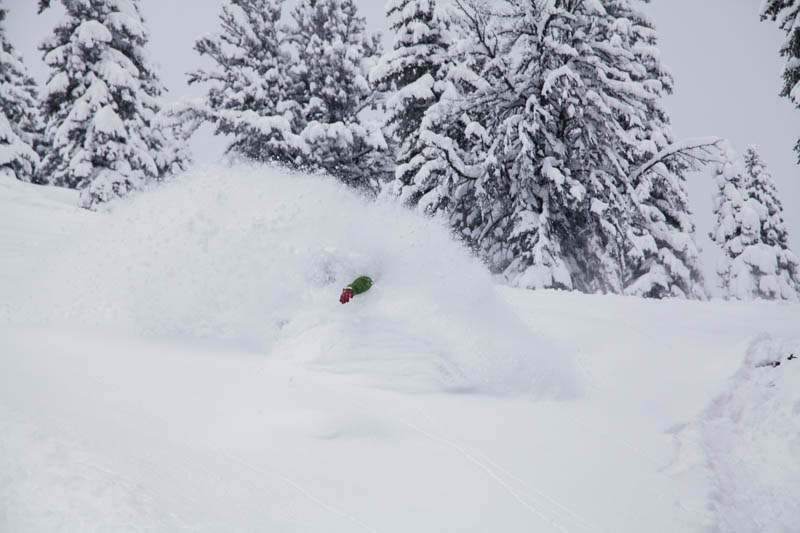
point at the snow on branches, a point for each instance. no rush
(548, 149)
(756, 262)
(787, 14)
(411, 75)
(297, 94)
(104, 129)
(20, 127)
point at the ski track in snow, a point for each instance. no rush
(493, 471)
(327, 506)
(490, 471)
(181, 363)
(749, 441)
(579, 520)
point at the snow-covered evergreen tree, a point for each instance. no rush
(104, 128)
(331, 92)
(411, 74)
(249, 82)
(444, 177)
(784, 281)
(551, 155)
(295, 93)
(20, 127)
(787, 14)
(662, 258)
(442, 151)
(757, 262)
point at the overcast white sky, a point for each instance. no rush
(725, 63)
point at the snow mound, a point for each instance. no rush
(257, 257)
(749, 439)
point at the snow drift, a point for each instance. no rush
(256, 258)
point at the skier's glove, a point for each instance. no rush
(346, 295)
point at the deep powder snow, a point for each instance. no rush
(181, 362)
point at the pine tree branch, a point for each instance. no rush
(491, 226)
(702, 150)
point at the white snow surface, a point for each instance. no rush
(181, 363)
(749, 437)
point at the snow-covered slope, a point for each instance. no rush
(256, 260)
(182, 363)
(34, 222)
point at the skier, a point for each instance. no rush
(361, 284)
